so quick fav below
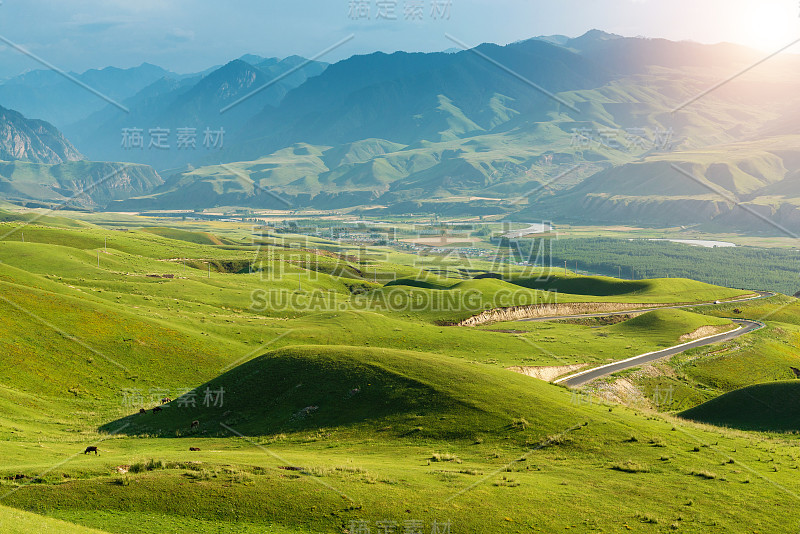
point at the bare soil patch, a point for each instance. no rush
(548, 373)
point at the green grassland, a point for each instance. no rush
(566, 343)
(16, 521)
(345, 409)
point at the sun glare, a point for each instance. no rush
(768, 26)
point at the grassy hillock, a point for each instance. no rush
(335, 387)
(773, 407)
(669, 323)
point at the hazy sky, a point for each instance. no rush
(191, 35)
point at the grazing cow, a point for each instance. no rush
(142, 410)
(796, 371)
(194, 449)
(91, 449)
(165, 400)
(195, 423)
(157, 409)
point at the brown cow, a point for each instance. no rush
(195, 424)
(91, 449)
(142, 410)
(157, 409)
(194, 449)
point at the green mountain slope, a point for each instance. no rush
(724, 186)
(75, 184)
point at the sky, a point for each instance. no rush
(191, 35)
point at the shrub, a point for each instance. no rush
(555, 439)
(150, 465)
(507, 482)
(630, 466)
(647, 518)
(445, 457)
(520, 423)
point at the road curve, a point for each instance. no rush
(578, 379)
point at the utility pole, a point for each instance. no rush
(98, 258)
(620, 272)
(565, 267)
(209, 269)
(105, 245)
(23, 237)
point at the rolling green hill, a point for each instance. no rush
(366, 389)
(764, 407)
(668, 323)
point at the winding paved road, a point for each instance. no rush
(578, 379)
(583, 377)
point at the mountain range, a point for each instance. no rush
(58, 99)
(191, 104)
(597, 128)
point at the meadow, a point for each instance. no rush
(323, 406)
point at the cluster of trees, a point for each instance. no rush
(741, 267)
